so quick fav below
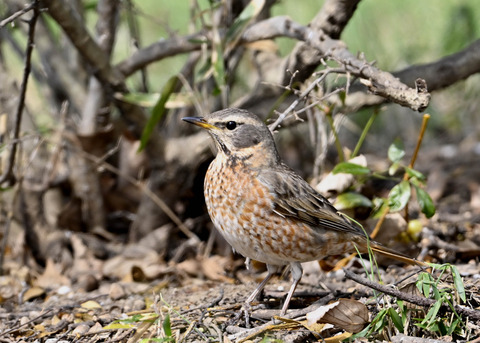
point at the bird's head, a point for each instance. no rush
(239, 134)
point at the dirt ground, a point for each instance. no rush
(102, 290)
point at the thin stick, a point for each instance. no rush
(294, 104)
(411, 298)
(425, 120)
(8, 174)
(17, 14)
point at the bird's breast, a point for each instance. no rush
(242, 209)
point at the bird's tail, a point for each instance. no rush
(387, 252)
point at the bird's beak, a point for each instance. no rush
(199, 121)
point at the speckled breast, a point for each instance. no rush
(241, 208)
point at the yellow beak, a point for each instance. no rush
(199, 121)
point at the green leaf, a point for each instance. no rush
(397, 321)
(140, 99)
(167, 328)
(350, 168)
(432, 313)
(343, 97)
(458, 282)
(399, 196)
(117, 325)
(425, 202)
(453, 326)
(396, 151)
(158, 111)
(249, 12)
(415, 173)
(352, 200)
(379, 321)
(424, 284)
(393, 168)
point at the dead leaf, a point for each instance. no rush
(333, 184)
(33, 292)
(338, 338)
(52, 276)
(348, 314)
(190, 266)
(411, 289)
(315, 316)
(214, 268)
(90, 305)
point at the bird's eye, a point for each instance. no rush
(231, 125)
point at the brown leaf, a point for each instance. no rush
(90, 305)
(214, 268)
(33, 293)
(190, 266)
(349, 314)
(52, 276)
(411, 289)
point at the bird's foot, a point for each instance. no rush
(245, 311)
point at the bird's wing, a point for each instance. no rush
(294, 197)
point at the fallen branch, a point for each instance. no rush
(411, 298)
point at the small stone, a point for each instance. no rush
(116, 291)
(80, 330)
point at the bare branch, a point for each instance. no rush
(378, 82)
(331, 20)
(411, 298)
(439, 74)
(106, 29)
(446, 71)
(160, 50)
(8, 173)
(84, 42)
(17, 14)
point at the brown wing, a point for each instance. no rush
(294, 197)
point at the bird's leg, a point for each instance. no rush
(246, 308)
(271, 271)
(297, 272)
(248, 263)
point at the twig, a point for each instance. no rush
(14, 16)
(426, 117)
(294, 104)
(425, 120)
(15, 328)
(250, 333)
(8, 174)
(411, 298)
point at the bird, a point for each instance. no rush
(265, 210)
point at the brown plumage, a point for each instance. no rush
(264, 209)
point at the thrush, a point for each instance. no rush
(265, 210)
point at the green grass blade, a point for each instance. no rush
(158, 111)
